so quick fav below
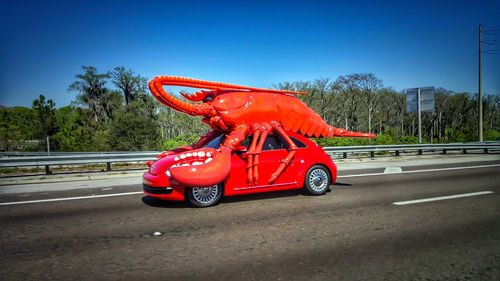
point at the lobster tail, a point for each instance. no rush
(337, 132)
(321, 129)
(297, 117)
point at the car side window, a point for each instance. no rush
(298, 143)
(247, 142)
(272, 143)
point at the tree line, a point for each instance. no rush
(360, 102)
(114, 111)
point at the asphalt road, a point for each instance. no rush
(355, 232)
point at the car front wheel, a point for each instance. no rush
(204, 196)
(317, 180)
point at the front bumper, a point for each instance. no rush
(157, 190)
(160, 187)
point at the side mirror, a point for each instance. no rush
(241, 148)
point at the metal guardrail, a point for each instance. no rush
(77, 153)
(8, 159)
(420, 148)
(75, 159)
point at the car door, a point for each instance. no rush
(273, 151)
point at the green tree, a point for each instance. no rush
(131, 85)
(45, 118)
(16, 127)
(135, 128)
(369, 86)
(92, 92)
(72, 134)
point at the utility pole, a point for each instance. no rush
(480, 95)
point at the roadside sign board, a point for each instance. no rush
(412, 100)
(427, 99)
(420, 100)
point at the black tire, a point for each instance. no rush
(317, 180)
(202, 197)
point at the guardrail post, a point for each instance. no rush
(420, 152)
(464, 151)
(397, 152)
(372, 154)
(47, 170)
(486, 150)
(108, 166)
(444, 151)
(344, 154)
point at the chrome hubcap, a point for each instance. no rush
(318, 180)
(205, 194)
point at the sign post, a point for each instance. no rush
(420, 100)
(419, 105)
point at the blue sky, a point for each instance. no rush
(406, 44)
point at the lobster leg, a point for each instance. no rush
(262, 139)
(251, 152)
(284, 162)
(217, 121)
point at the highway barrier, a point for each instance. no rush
(40, 159)
(420, 148)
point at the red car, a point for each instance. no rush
(311, 169)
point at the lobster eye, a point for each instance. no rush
(207, 99)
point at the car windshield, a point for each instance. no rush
(215, 143)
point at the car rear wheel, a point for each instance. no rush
(204, 196)
(317, 180)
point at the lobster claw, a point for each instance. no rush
(198, 96)
(208, 174)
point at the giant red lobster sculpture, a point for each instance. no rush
(239, 112)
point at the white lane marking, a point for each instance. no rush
(361, 175)
(393, 170)
(422, 171)
(442, 198)
(70, 198)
